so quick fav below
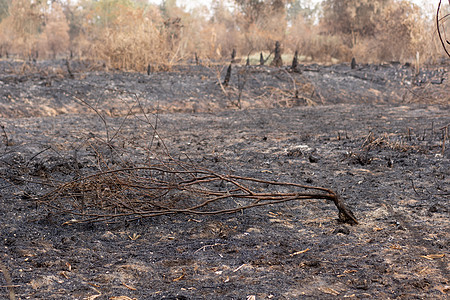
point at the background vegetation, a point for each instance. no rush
(131, 34)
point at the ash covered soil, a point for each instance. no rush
(376, 135)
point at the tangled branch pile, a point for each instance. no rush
(175, 187)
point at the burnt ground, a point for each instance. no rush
(374, 134)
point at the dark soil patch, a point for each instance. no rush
(376, 138)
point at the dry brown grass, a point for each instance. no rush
(132, 36)
(133, 43)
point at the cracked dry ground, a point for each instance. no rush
(387, 161)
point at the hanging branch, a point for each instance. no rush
(438, 21)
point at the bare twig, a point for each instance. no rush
(37, 154)
(98, 114)
(444, 138)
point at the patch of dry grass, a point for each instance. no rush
(131, 35)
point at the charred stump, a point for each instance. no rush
(295, 60)
(149, 69)
(277, 60)
(69, 69)
(196, 58)
(233, 56)
(261, 59)
(353, 63)
(227, 77)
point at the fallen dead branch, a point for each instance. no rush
(175, 188)
(163, 186)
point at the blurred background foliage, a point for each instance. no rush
(131, 34)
